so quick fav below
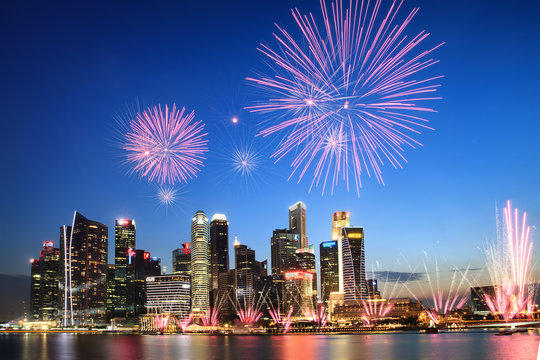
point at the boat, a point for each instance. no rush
(505, 332)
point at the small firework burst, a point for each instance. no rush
(165, 144)
(167, 195)
(245, 160)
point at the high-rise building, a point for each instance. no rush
(35, 289)
(124, 251)
(83, 254)
(478, 296)
(144, 265)
(181, 259)
(168, 294)
(340, 219)
(200, 264)
(44, 303)
(226, 294)
(246, 274)
(297, 223)
(219, 247)
(298, 292)
(328, 252)
(283, 251)
(110, 291)
(354, 267)
(305, 260)
(373, 289)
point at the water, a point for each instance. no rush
(465, 345)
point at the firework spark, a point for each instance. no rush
(343, 95)
(165, 145)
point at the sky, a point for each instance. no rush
(68, 68)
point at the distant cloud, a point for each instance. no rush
(398, 276)
(465, 269)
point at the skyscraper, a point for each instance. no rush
(84, 256)
(283, 251)
(124, 251)
(181, 259)
(298, 292)
(219, 245)
(354, 267)
(340, 219)
(45, 278)
(200, 264)
(246, 274)
(305, 259)
(328, 252)
(297, 223)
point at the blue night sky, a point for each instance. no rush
(67, 68)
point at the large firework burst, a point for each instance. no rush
(343, 93)
(165, 145)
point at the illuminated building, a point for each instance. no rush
(354, 267)
(219, 247)
(168, 294)
(44, 305)
(124, 250)
(227, 294)
(373, 289)
(283, 251)
(83, 252)
(478, 295)
(144, 265)
(110, 291)
(305, 260)
(200, 264)
(297, 223)
(340, 219)
(328, 252)
(181, 259)
(246, 274)
(298, 291)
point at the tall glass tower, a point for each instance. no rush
(124, 251)
(219, 244)
(200, 263)
(340, 219)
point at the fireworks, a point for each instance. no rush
(509, 265)
(165, 145)
(319, 316)
(249, 316)
(245, 160)
(375, 309)
(343, 95)
(442, 302)
(211, 317)
(284, 321)
(167, 195)
(184, 323)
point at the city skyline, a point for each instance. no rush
(444, 197)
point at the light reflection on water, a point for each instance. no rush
(466, 345)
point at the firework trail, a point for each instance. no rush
(510, 268)
(211, 317)
(344, 96)
(165, 145)
(183, 323)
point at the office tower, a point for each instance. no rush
(168, 294)
(328, 252)
(83, 254)
(283, 251)
(219, 247)
(181, 259)
(305, 260)
(110, 291)
(124, 250)
(298, 292)
(35, 289)
(478, 296)
(144, 265)
(297, 223)
(44, 302)
(261, 268)
(373, 289)
(200, 264)
(246, 276)
(226, 294)
(340, 219)
(354, 267)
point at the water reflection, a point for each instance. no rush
(467, 345)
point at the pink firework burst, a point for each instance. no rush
(183, 323)
(211, 317)
(165, 145)
(374, 309)
(344, 96)
(249, 315)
